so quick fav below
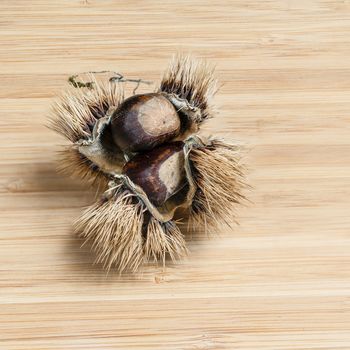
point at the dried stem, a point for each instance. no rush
(117, 77)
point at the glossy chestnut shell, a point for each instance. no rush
(144, 121)
(159, 172)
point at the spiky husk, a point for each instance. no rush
(192, 80)
(76, 112)
(75, 164)
(124, 235)
(219, 176)
(113, 226)
(162, 239)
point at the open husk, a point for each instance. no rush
(126, 229)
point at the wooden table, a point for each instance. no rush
(280, 280)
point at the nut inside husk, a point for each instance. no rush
(144, 121)
(125, 205)
(146, 156)
(159, 172)
(179, 197)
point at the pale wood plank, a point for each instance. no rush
(280, 280)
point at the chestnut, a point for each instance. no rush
(144, 121)
(159, 172)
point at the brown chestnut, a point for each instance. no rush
(144, 121)
(159, 172)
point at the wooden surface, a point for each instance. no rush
(281, 280)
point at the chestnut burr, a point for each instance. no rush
(159, 172)
(144, 121)
(148, 157)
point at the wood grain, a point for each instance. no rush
(280, 280)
